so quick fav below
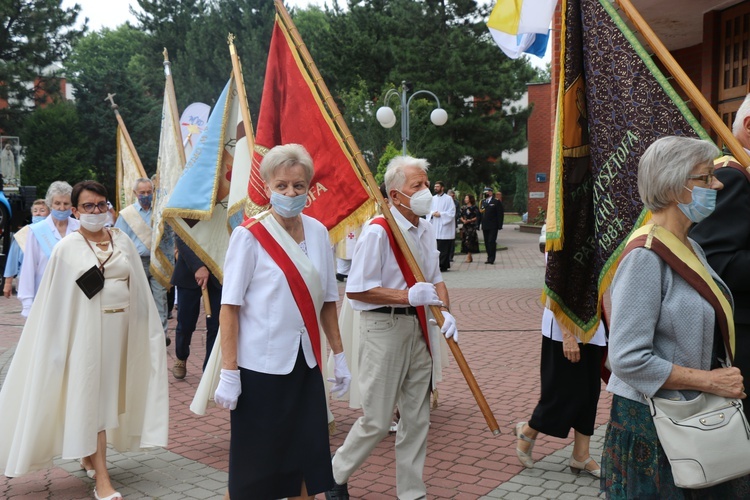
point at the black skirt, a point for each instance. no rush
(279, 435)
(570, 391)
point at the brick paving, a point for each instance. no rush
(498, 312)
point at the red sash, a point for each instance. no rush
(296, 283)
(408, 274)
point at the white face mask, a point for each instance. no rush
(93, 222)
(421, 202)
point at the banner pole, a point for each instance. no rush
(369, 180)
(705, 109)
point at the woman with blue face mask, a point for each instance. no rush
(39, 212)
(666, 338)
(279, 288)
(43, 236)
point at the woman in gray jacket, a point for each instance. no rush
(664, 336)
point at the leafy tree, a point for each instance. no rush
(522, 190)
(56, 147)
(437, 45)
(34, 34)
(107, 62)
(391, 151)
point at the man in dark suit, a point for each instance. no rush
(725, 237)
(190, 277)
(492, 221)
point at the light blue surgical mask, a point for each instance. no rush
(702, 204)
(145, 200)
(60, 214)
(288, 206)
(37, 218)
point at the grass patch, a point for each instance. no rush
(512, 219)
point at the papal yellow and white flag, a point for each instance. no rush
(169, 167)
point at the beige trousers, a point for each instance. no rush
(394, 369)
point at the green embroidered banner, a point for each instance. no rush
(613, 103)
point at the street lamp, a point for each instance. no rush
(387, 117)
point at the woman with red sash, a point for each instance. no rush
(671, 323)
(279, 291)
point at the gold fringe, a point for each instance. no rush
(331, 427)
(434, 399)
(365, 212)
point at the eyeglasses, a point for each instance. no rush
(707, 178)
(89, 207)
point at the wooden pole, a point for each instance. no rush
(128, 140)
(173, 104)
(239, 81)
(365, 172)
(705, 109)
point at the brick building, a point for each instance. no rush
(709, 39)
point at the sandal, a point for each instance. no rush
(577, 467)
(91, 473)
(524, 456)
(114, 496)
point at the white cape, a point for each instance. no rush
(51, 386)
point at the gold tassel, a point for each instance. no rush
(331, 427)
(434, 399)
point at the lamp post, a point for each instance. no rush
(387, 117)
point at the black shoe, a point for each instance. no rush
(488, 262)
(169, 316)
(169, 341)
(338, 492)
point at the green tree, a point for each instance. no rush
(391, 151)
(56, 147)
(109, 61)
(34, 34)
(437, 45)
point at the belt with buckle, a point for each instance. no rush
(112, 311)
(409, 311)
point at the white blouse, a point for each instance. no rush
(271, 328)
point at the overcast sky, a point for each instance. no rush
(112, 13)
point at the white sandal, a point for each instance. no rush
(91, 473)
(113, 496)
(524, 456)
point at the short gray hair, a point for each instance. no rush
(285, 156)
(57, 188)
(142, 179)
(742, 113)
(665, 166)
(395, 173)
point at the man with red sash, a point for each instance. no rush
(395, 363)
(725, 237)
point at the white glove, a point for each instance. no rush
(343, 377)
(449, 326)
(25, 311)
(229, 389)
(424, 294)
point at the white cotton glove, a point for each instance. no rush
(343, 377)
(424, 294)
(229, 389)
(449, 326)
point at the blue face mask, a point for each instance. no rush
(60, 214)
(37, 218)
(702, 205)
(288, 206)
(146, 200)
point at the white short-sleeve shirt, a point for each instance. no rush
(551, 329)
(270, 324)
(374, 265)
